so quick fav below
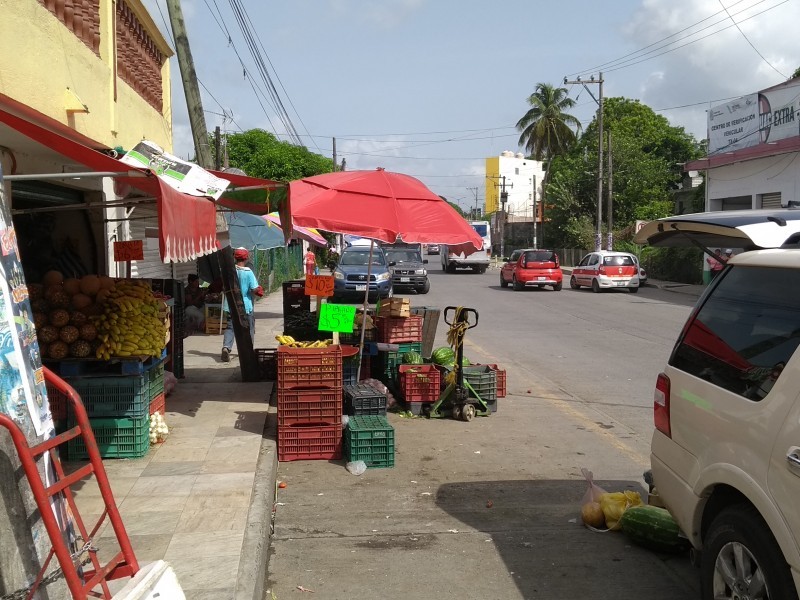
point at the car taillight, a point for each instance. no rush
(602, 270)
(661, 405)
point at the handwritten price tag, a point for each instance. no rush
(319, 285)
(336, 317)
(132, 250)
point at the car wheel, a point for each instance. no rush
(451, 268)
(595, 286)
(573, 283)
(741, 559)
(503, 282)
(516, 284)
(633, 290)
(425, 288)
(541, 287)
(557, 287)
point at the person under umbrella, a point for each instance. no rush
(249, 286)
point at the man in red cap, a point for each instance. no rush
(250, 288)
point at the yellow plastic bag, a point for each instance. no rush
(614, 504)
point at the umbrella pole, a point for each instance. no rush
(364, 317)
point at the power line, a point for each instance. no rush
(751, 43)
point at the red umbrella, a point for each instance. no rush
(379, 205)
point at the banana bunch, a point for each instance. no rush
(287, 340)
(130, 324)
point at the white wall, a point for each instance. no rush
(519, 173)
(753, 178)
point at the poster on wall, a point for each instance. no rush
(23, 395)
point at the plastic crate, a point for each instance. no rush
(394, 330)
(483, 380)
(366, 367)
(419, 383)
(350, 369)
(123, 396)
(58, 403)
(502, 390)
(267, 363)
(363, 399)
(323, 405)
(158, 404)
(369, 438)
(116, 438)
(309, 367)
(312, 441)
(387, 362)
(294, 297)
(156, 381)
(370, 335)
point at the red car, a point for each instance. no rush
(532, 267)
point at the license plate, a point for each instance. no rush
(541, 278)
(405, 279)
(620, 283)
(361, 287)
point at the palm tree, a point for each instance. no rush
(545, 128)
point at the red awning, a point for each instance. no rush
(187, 224)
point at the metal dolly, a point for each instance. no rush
(459, 398)
(82, 583)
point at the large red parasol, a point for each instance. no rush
(379, 205)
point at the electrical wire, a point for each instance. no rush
(751, 43)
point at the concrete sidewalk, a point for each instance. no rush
(202, 500)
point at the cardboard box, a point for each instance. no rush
(395, 307)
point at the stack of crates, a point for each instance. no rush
(386, 363)
(369, 438)
(119, 409)
(363, 399)
(309, 403)
(419, 384)
(396, 325)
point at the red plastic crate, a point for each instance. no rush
(501, 380)
(393, 330)
(158, 404)
(309, 367)
(321, 405)
(420, 383)
(312, 441)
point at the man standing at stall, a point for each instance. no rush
(250, 288)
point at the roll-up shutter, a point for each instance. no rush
(771, 200)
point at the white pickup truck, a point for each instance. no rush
(452, 260)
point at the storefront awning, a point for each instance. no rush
(187, 224)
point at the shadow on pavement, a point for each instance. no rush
(536, 529)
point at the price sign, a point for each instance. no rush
(319, 285)
(336, 317)
(132, 250)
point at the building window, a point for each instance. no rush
(81, 17)
(516, 170)
(139, 61)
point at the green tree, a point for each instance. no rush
(796, 73)
(260, 154)
(647, 157)
(547, 126)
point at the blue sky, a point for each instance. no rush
(432, 87)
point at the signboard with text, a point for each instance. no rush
(319, 285)
(132, 250)
(336, 317)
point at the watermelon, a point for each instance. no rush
(443, 356)
(654, 528)
(412, 358)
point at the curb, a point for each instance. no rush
(252, 574)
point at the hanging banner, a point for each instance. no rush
(184, 176)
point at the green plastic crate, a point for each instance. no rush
(369, 438)
(116, 438)
(483, 380)
(118, 396)
(156, 381)
(388, 361)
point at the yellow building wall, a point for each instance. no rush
(492, 191)
(42, 60)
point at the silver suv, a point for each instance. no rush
(725, 454)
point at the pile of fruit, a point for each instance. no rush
(95, 316)
(287, 340)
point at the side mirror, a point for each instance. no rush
(425, 261)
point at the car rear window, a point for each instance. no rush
(361, 258)
(540, 256)
(745, 332)
(618, 261)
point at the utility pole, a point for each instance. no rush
(334, 154)
(474, 211)
(598, 236)
(194, 103)
(534, 212)
(503, 200)
(217, 157)
(609, 215)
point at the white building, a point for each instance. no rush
(522, 179)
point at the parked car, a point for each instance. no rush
(604, 270)
(432, 249)
(409, 270)
(642, 272)
(725, 454)
(531, 267)
(352, 275)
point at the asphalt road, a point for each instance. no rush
(491, 508)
